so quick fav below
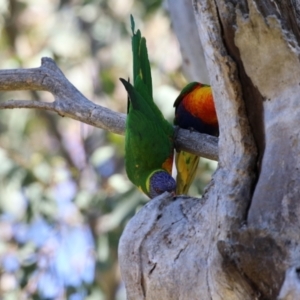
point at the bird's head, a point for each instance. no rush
(159, 182)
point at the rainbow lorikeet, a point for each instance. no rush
(195, 110)
(149, 144)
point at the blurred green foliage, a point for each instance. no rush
(64, 194)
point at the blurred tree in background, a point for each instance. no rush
(64, 194)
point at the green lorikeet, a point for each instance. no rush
(149, 144)
(195, 110)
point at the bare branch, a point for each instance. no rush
(197, 143)
(69, 102)
(26, 104)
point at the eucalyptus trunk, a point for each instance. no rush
(241, 240)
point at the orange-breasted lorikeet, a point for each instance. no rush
(195, 110)
(149, 144)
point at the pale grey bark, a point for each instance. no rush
(290, 289)
(241, 239)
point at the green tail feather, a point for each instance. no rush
(141, 64)
(135, 44)
(132, 24)
(145, 66)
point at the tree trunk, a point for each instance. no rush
(241, 239)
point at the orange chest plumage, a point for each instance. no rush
(200, 104)
(196, 110)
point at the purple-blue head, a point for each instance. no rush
(159, 182)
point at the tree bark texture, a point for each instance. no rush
(241, 239)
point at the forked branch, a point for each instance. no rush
(69, 102)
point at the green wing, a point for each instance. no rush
(147, 148)
(148, 140)
(142, 90)
(141, 101)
